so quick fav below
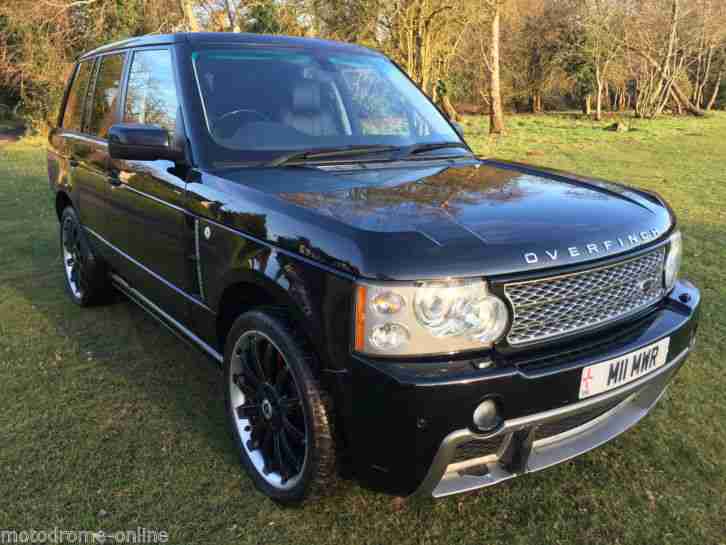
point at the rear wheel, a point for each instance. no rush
(86, 280)
(278, 415)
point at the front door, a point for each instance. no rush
(148, 222)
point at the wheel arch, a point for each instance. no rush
(246, 290)
(62, 200)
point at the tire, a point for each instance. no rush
(266, 365)
(86, 279)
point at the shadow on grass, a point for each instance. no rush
(123, 339)
(146, 360)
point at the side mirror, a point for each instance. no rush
(458, 128)
(137, 142)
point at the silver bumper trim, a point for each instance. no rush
(636, 400)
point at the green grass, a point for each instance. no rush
(102, 410)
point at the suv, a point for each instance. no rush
(384, 304)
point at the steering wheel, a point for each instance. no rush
(224, 123)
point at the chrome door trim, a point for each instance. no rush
(152, 197)
(143, 301)
(198, 259)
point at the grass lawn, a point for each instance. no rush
(107, 421)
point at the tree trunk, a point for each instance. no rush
(232, 16)
(638, 104)
(623, 99)
(449, 109)
(535, 103)
(714, 96)
(189, 16)
(608, 98)
(496, 114)
(687, 104)
(598, 110)
(677, 102)
(587, 105)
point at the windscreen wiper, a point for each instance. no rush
(420, 148)
(326, 153)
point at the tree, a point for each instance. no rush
(496, 112)
(654, 35)
(534, 54)
(708, 31)
(601, 44)
(40, 40)
(485, 48)
(190, 17)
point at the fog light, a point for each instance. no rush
(486, 416)
(389, 336)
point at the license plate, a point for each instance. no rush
(611, 374)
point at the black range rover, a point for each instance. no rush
(382, 301)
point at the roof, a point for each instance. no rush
(198, 38)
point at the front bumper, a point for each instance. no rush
(521, 451)
(410, 425)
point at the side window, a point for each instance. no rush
(151, 96)
(74, 106)
(105, 95)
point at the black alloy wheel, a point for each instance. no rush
(277, 412)
(86, 279)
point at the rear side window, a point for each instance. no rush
(74, 107)
(151, 95)
(105, 95)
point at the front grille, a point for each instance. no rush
(574, 421)
(562, 305)
(476, 448)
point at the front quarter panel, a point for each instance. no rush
(235, 240)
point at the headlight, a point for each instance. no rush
(673, 261)
(440, 317)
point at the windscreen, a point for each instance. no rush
(268, 99)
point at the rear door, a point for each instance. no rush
(89, 149)
(148, 222)
(76, 147)
(61, 138)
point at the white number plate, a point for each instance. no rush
(610, 374)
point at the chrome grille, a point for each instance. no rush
(571, 422)
(566, 304)
(476, 448)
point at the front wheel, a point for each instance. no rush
(279, 417)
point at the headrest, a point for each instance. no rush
(306, 96)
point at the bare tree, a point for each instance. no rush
(600, 24)
(190, 18)
(488, 14)
(663, 54)
(496, 111)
